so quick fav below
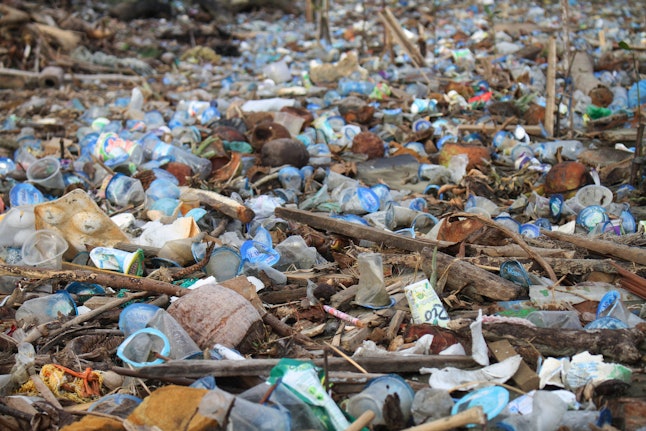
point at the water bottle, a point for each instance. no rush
(362, 87)
(155, 149)
(632, 94)
(619, 100)
(546, 151)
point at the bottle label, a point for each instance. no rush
(425, 305)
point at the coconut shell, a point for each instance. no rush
(265, 132)
(477, 154)
(565, 177)
(369, 144)
(214, 314)
(285, 151)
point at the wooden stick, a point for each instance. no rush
(396, 30)
(347, 358)
(483, 128)
(41, 330)
(550, 100)
(112, 279)
(221, 203)
(516, 237)
(362, 421)
(474, 415)
(460, 273)
(624, 252)
(256, 367)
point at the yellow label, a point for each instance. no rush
(425, 305)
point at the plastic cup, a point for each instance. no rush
(44, 249)
(594, 195)
(46, 172)
(123, 190)
(374, 396)
(46, 308)
(118, 260)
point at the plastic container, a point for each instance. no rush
(248, 416)
(46, 172)
(118, 260)
(277, 72)
(123, 190)
(135, 317)
(546, 151)
(358, 200)
(181, 343)
(158, 150)
(23, 194)
(16, 225)
(291, 178)
(593, 195)
(44, 249)
(372, 290)
(115, 151)
(347, 86)
(120, 405)
(46, 308)
(375, 393)
(143, 348)
(555, 319)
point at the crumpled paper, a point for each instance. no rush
(449, 378)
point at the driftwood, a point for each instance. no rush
(514, 250)
(561, 266)
(597, 245)
(105, 278)
(218, 202)
(259, 367)
(584, 80)
(618, 345)
(460, 274)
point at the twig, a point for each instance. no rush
(41, 330)
(362, 421)
(112, 279)
(517, 238)
(551, 87)
(347, 358)
(185, 272)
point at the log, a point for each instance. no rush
(357, 231)
(597, 245)
(261, 367)
(584, 80)
(514, 250)
(221, 203)
(461, 274)
(550, 102)
(474, 415)
(561, 266)
(617, 345)
(105, 278)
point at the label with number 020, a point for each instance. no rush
(425, 305)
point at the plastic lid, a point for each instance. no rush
(492, 399)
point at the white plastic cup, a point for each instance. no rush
(46, 172)
(277, 72)
(594, 195)
(44, 249)
(374, 396)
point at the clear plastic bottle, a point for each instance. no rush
(546, 151)
(157, 149)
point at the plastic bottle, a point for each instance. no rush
(546, 151)
(632, 94)
(362, 87)
(157, 149)
(619, 100)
